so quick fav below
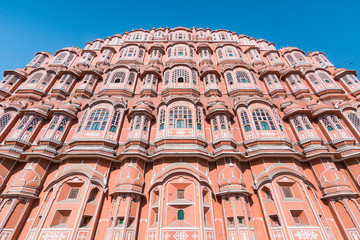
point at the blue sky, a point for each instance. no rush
(31, 26)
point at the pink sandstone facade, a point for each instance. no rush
(184, 134)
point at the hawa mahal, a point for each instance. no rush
(180, 134)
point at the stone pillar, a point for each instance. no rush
(125, 206)
(234, 200)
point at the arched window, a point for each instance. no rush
(180, 117)
(198, 119)
(115, 121)
(229, 78)
(93, 195)
(330, 128)
(353, 117)
(180, 215)
(98, 120)
(264, 126)
(263, 120)
(267, 194)
(180, 75)
(167, 76)
(216, 128)
(118, 77)
(331, 122)
(162, 119)
(131, 79)
(82, 121)
(95, 126)
(4, 120)
(242, 77)
(245, 121)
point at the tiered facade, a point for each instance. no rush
(186, 134)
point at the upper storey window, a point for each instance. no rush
(180, 36)
(159, 34)
(254, 56)
(132, 53)
(244, 40)
(116, 40)
(180, 117)
(180, 76)
(201, 34)
(65, 84)
(9, 83)
(321, 82)
(181, 80)
(296, 84)
(106, 56)
(97, 120)
(229, 53)
(263, 46)
(241, 81)
(96, 45)
(321, 60)
(296, 58)
(222, 36)
(304, 129)
(155, 53)
(331, 122)
(86, 58)
(38, 60)
(205, 53)
(350, 83)
(27, 127)
(149, 85)
(273, 84)
(350, 79)
(274, 59)
(119, 81)
(64, 58)
(180, 51)
(334, 130)
(57, 128)
(39, 80)
(138, 36)
(87, 85)
(101, 121)
(5, 120)
(354, 119)
(263, 120)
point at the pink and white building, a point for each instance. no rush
(184, 134)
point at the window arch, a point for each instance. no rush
(36, 77)
(98, 120)
(180, 76)
(4, 120)
(245, 121)
(180, 215)
(115, 121)
(118, 77)
(180, 117)
(198, 119)
(353, 117)
(229, 78)
(263, 120)
(242, 77)
(162, 119)
(131, 79)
